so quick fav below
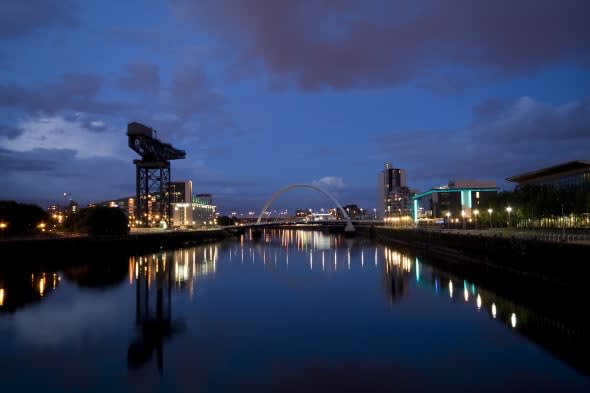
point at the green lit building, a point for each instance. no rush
(459, 200)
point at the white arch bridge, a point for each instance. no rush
(348, 227)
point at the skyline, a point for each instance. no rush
(262, 94)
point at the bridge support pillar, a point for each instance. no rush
(349, 227)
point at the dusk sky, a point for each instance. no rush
(266, 93)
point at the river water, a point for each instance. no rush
(294, 311)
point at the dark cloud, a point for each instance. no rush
(75, 91)
(32, 161)
(18, 18)
(191, 90)
(141, 77)
(529, 121)
(34, 175)
(489, 108)
(10, 132)
(505, 139)
(345, 44)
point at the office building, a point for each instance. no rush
(394, 196)
(181, 192)
(461, 199)
(569, 175)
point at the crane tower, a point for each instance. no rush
(152, 182)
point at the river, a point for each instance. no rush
(293, 311)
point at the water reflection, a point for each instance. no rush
(156, 275)
(330, 254)
(20, 288)
(99, 274)
(251, 325)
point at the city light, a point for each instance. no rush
(513, 320)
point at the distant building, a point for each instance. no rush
(568, 175)
(394, 196)
(205, 199)
(198, 212)
(458, 199)
(181, 192)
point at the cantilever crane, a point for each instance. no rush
(153, 195)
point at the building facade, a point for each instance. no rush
(462, 199)
(181, 191)
(569, 175)
(395, 198)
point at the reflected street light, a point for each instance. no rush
(490, 211)
(509, 210)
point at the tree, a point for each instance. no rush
(21, 218)
(99, 220)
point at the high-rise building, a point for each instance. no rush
(182, 191)
(394, 195)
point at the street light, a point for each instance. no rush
(509, 210)
(448, 220)
(476, 213)
(463, 217)
(490, 211)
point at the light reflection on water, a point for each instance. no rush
(292, 310)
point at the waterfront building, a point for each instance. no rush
(394, 197)
(194, 214)
(458, 200)
(569, 175)
(181, 191)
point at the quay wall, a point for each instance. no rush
(561, 263)
(75, 249)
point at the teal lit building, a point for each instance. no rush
(462, 199)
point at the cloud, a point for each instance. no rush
(41, 176)
(10, 132)
(527, 120)
(191, 92)
(505, 139)
(329, 182)
(76, 91)
(19, 18)
(349, 44)
(141, 77)
(57, 132)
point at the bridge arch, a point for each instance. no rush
(316, 188)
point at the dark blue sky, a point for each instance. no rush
(265, 93)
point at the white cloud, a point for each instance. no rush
(57, 132)
(329, 182)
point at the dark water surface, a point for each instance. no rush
(293, 312)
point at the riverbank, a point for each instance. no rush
(34, 250)
(507, 262)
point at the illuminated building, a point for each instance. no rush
(569, 175)
(394, 195)
(181, 192)
(193, 214)
(458, 199)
